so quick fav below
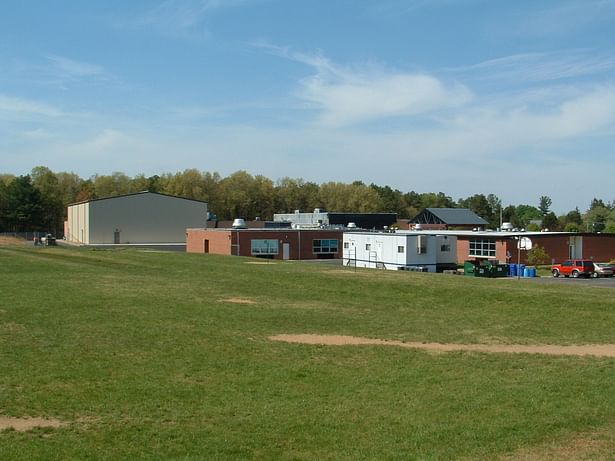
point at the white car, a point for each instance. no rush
(603, 270)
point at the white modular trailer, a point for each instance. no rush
(140, 218)
(400, 251)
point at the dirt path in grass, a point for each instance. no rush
(27, 424)
(598, 350)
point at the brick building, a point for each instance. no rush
(291, 244)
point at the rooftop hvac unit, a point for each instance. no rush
(507, 227)
(351, 225)
(239, 223)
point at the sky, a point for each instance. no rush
(514, 98)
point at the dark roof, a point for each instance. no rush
(135, 193)
(363, 220)
(449, 216)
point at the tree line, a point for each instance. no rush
(38, 201)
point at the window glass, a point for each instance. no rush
(401, 249)
(481, 247)
(264, 246)
(326, 246)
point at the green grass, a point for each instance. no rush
(142, 357)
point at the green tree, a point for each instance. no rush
(52, 203)
(112, 185)
(392, 200)
(482, 206)
(3, 205)
(337, 196)
(24, 206)
(550, 222)
(596, 218)
(537, 256)
(525, 214)
(544, 205)
(437, 200)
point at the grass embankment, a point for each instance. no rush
(166, 356)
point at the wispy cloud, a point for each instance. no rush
(76, 69)
(183, 17)
(17, 108)
(62, 72)
(540, 67)
(346, 96)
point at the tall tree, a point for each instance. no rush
(392, 199)
(110, 186)
(24, 206)
(479, 204)
(52, 203)
(3, 205)
(544, 205)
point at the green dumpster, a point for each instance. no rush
(485, 268)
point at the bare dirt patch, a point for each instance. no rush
(238, 301)
(598, 350)
(12, 241)
(27, 424)
(584, 446)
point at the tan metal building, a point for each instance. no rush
(139, 218)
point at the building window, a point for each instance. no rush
(325, 246)
(482, 248)
(401, 249)
(368, 246)
(264, 247)
(445, 247)
(346, 245)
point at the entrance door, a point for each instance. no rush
(205, 246)
(286, 251)
(116, 237)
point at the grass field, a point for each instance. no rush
(151, 355)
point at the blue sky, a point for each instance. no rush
(459, 96)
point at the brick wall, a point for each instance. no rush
(224, 241)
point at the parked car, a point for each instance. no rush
(603, 270)
(573, 268)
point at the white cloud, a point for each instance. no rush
(108, 140)
(353, 100)
(346, 96)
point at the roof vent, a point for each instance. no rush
(507, 227)
(239, 223)
(352, 225)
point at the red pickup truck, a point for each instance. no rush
(574, 268)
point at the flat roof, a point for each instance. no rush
(470, 233)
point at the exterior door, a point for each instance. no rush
(116, 237)
(206, 246)
(286, 251)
